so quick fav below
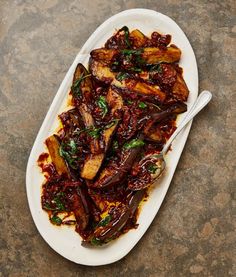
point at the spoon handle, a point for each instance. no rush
(202, 100)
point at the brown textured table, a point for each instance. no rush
(194, 231)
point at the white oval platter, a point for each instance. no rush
(65, 240)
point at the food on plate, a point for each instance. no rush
(103, 159)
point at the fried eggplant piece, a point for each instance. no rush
(86, 115)
(176, 108)
(82, 90)
(142, 88)
(151, 131)
(84, 94)
(82, 87)
(82, 218)
(180, 89)
(53, 146)
(120, 40)
(91, 166)
(63, 196)
(114, 100)
(111, 176)
(93, 162)
(137, 38)
(103, 54)
(103, 73)
(170, 75)
(154, 55)
(115, 221)
(150, 55)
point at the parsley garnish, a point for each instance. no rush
(68, 151)
(122, 76)
(156, 67)
(94, 132)
(134, 143)
(126, 31)
(142, 105)
(102, 104)
(95, 241)
(75, 88)
(56, 220)
(152, 168)
(104, 221)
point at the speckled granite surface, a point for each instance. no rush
(194, 232)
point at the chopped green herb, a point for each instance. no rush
(102, 104)
(75, 88)
(46, 206)
(66, 155)
(129, 102)
(56, 220)
(132, 51)
(139, 60)
(104, 221)
(115, 63)
(57, 200)
(142, 105)
(134, 143)
(115, 145)
(68, 151)
(95, 241)
(135, 69)
(152, 168)
(126, 30)
(122, 76)
(156, 67)
(78, 132)
(73, 146)
(94, 132)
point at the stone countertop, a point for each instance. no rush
(194, 231)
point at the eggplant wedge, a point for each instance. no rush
(91, 166)
(93, 162)
(101, 71)
(110, 176)
(53, 146)
(82, 87)
(151, 132)
(180, 89)
(114, 100)
(150, 55)
(137, 38)
(109, 228)
(154, 55)
(81, 216)
(104, 55)
(103, 74)
(142, 88)
(82, 91)
(86, 115)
